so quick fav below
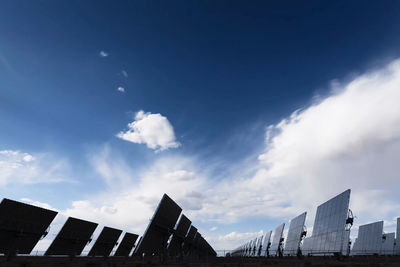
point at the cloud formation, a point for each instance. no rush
(103, 54)
(121, 89)
(154, 130)
(350, 139)
(23, 168)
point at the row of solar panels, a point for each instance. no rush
(331, 234)
(372, 240)
(23, 225)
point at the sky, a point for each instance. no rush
(246, 113)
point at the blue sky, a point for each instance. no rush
(203, 84)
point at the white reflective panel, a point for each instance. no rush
(397, 246)
(276, 240)
(267, 240)
(369, 239)
(306, 248)
(293, 239)
(329, 234)
(259, 246)
(388, 244)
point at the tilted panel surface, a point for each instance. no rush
(397, 247)
(267, 240)
(292, 242)
(105, 242)
(369, 239)
(388, 244)
(188, 242)
(72, 238)
(126, 245)
(160, 227)
(329, 226)
(175, 245)
(276, 239)
(306, 247)
(22, 226)
(259, 246)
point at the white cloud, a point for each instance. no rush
(121, 89)
(214, 228)
(124, 73)
(141, 193)
(233, 239)
(38, 203)
(154, 130)
(103, 54)
(23, 168)
(350, 139)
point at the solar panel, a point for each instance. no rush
(126, 245)
(266, 244)
(388, 244)
(259, 246)
(188, 243)
(369, 239)
(277, 240)
(22, 226)
(397, 247)
(155, 238)
(175, 245)
(329, 234)
(72, 238)
(105, 242)
(307, 244)
(296, 229)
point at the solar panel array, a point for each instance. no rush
(162, 226)
(22, 226)
(296, 230)
(329, 236)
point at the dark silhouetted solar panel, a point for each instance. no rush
(188, 243)
(175, 245)
(191, 234)
(22, 226)
(72, 238)
(105, 242)
(126, 245)
(155, 238)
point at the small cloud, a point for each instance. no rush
(124, 73)
(17, 167)
(212, 229)
(103, 53)
(121, 89)
(154, 130)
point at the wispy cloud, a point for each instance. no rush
(103, 54)
(154, 130)
(121, 89)
(23, 168)
(124, 73)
